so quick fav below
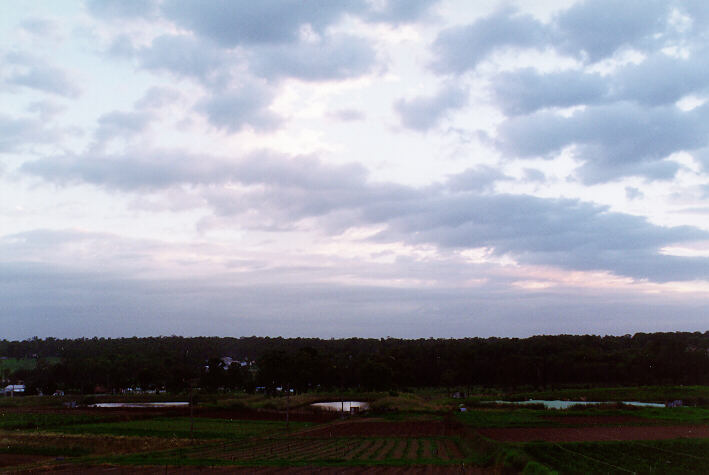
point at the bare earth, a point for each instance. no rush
(385, 429)
(593, 434)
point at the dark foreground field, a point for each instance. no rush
(414, 433)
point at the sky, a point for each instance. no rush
(369, 168)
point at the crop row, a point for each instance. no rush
(413, 450)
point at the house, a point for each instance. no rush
(12, 389)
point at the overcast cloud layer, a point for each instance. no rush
(353, 168)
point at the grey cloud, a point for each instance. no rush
(399, 11)
(600, 27)
(564, 233)
(423, 113)
(331, 58)
(183, 55)
(235, 22)
(122, 47)
(158, 97)
(121, 124)
(47, 110)
(481, 178)
(16, 132)
(594, 29)
(235, 109)
(122, 9)
(347, 115)
(525, 91)
(40, 27)
(35, 73)
(54, 301)
(633, 193)
(461, 48)
(614, 140)
(532, 174)
(159, 169)
(662, 79)
(569, 234)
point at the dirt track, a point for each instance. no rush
(594, 434)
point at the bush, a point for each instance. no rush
(536, 468)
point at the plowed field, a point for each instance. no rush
(593, 434)
(386, 429)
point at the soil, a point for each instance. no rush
(453, 449)
(384, 452)
(426, 452)
(399, 450)
(423, 470)
(441, 451)
(10, 460)
(98, 444)
(385, 429)
(600, 420)
(599, 433)
(412, 453)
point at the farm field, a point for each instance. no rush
(593, 439)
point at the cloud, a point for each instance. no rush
(347, 115)
(615, 140)
(277, 192)
(55, 301)
(121, 124)
(40, 27)
(461, 48)
(235, 109)
(47, 110)
(526, 90)
(243, 22)
(662, 79)
(564, 233)
(122, 9)
(399, 11)
(35, 73)
(424, 113)
(481, 178)
(158, 97)
(155, 169)
(335, 57)
(633, 193)
(599, 28)
(184, 56)
(17, 132)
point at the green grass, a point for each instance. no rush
(10, 421)
(678, 456)
(179, 427)
(49, 451)
(523, 417)
(659, 394)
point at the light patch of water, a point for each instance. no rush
(557, 404)
(345, 406)
(140, 404)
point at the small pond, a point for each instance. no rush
(567, 404)
(347, 406)
(141, 404)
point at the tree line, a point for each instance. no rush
(177, 363)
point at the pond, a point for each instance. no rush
(567, 404)
(347, 406)
(141, 404)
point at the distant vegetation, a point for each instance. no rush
(307, 364)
